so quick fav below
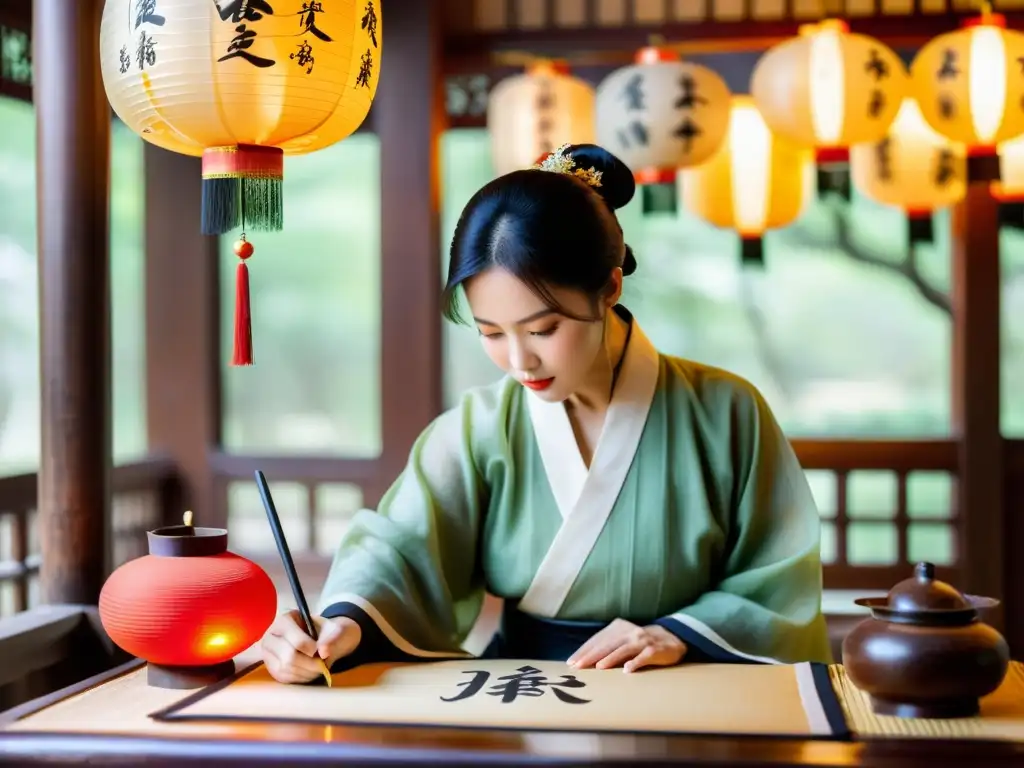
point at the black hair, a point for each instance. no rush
(546, 228)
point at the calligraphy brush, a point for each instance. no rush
(289, 566)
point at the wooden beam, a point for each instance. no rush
(183, 364)
(975, 390)
(409, 117)
(73, 185)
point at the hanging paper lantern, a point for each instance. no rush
(241, 83)
(969, 86)
(754, 183)
(662, 114)
(531, 114)
(828, 89)
(913, 168)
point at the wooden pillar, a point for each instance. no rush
(183, 358)
(976, 375)
(73, 169)
(409, 117)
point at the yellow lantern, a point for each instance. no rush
(969, 86)
(756, 182)
(829, 88)
(662, 114)
(531, 114)
(912, 168)
(241, 83)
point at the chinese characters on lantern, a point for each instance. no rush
(369, 23)
(688, 100)
(307, 22)
(145, 15)
(948, 70)
(242, 13)
(525, 681)
(545, 122)
(633, 95)
(877, 70)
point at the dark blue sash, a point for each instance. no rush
(522, 636)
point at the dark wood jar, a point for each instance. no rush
(925, 652)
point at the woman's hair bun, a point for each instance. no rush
(617, 183)
(629, 262)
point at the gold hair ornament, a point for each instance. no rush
(560, 162)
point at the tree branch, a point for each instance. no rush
(907, 267)
(764, 346)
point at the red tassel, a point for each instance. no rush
(243, 317)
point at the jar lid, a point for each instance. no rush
(923, 592)
(923, 599)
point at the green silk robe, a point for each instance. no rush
(694, 514)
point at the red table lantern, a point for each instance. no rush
(188, 607)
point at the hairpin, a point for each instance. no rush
(560, 162)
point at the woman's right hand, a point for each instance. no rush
(290, 653)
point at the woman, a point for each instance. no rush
(632, 509)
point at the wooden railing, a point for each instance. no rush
(145, 495)
(868, 548)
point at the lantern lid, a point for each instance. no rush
(187, 540)
(825, 25)
(985, 18)
(548, 67)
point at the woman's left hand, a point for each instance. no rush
(624, 643)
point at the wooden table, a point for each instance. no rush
(114, 729)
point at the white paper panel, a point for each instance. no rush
(530, 14)
(570, 13)
(689, 10)
(649, 11)
(611, 13)
(490, 15)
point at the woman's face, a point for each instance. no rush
(551, 354)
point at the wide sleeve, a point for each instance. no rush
(766, 604)
(408, 572)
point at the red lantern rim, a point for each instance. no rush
(654, 54)
(655, 176)
(558, 66)
(985, 20)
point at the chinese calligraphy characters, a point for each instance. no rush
(877, 69)
(242, 13)
(369, 25)
(633, 95)
(526, 681)
(141, 13)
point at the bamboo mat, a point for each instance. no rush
(1001, 717)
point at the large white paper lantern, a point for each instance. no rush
(241, 83)
(661, 114)
(535, 112)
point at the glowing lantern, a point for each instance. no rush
(754, 183)
(241, 83)
(188, 607)
(912, 168)
(969, 87)
(660, 115)
(531, 114)
(829, 88)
